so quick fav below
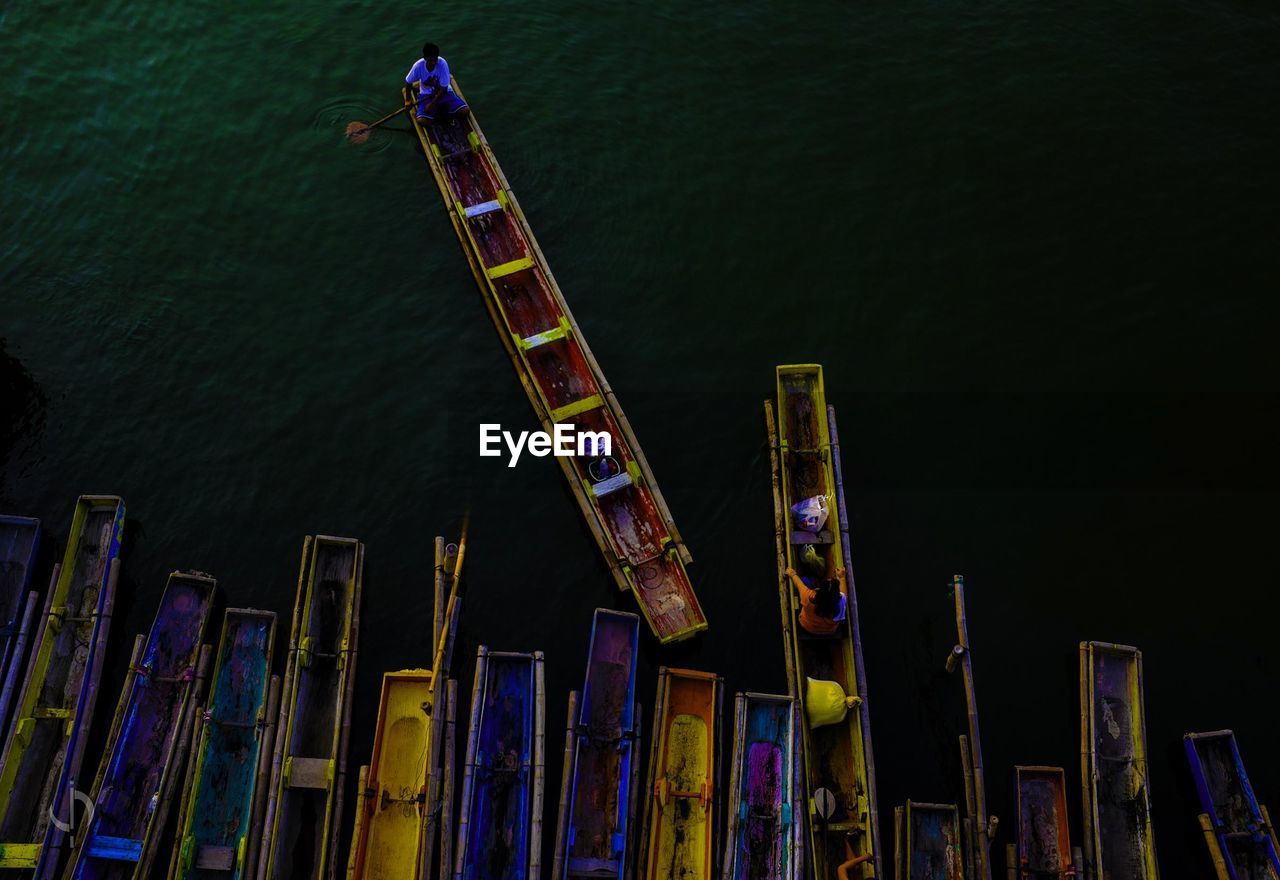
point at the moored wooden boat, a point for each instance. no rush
(1119, 843)
(304, 808)
(19, 543)
(678, 839)
(593, 837)
(1237, 829)
(139, 772)
(931, 848)
(500, 814)
(618, 496)
(218, 822)
(764, 839)
(838, 757)
(1043, 837)
(387, 840)
(44, 751)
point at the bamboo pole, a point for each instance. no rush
(437, 611)
(859, 667)
(897, 843)
(785, 593)
(431, 818)
(1088, 791)
(566, 787)
(1220, 868)
(266, 850)
(633, 799)
(176, 767)
(16, 657)
(1077, 862)
(29, 666)
(362, 800)
(1010, 861)
(469, 764)
(184, 797)
(262, 778)
(714, 794)
(344, 733)
(739, 742)
(659, 708)
(539, 765)
(966, 770)
(446, 797)
(962, 656)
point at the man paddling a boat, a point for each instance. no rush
(429, 76)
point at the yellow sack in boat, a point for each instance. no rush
(825, 702)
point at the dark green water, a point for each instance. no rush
(251, 330)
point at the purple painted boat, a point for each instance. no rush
(500, 818)
(764, 839)
(136, 780)
(593, 837)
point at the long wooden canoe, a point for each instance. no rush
(932, 847)
(1237, 829)
(1043, 836)
(765, 839)
(19, 543)
(137, 777)
(218, 821)
(624, 509)
(387, 840)
(593, 837)
(684, 768)
(500, 816)
(308, 768)
(45, 748)
(805, 453)
(1119, 843)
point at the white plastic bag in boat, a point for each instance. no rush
(810, 515)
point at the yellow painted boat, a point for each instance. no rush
(684, 762)
(617, 493)
(387, 841)
(839, 765)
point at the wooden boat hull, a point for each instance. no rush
(764, 840)
(932, 849)
(315, 710)
(499, 821)
(626, 512)
(1118, 837)
(131, 791)
(44, 751)
(1043, 837)
(1237, 828)
(19, 543)
(388, 837)
(837, 757)
(219, 816)
(680, 816)
(595, 839)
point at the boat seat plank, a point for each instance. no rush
(611, 485)
(529, 343)
(119, 849)
(587, 867)
(216, 858)
(19, 855)
(309, 773)
(483, 208)
(504, 269)
(802, 537)
(560, 413)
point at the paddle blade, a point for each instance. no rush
(358, 132)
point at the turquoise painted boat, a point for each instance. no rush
(137, 778)
(218, 817)
(765, 839)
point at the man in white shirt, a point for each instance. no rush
(429, 77)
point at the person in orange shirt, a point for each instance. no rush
(823, 604)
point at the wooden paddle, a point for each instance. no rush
(358, 132)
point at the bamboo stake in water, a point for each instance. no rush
(184, 796)
(966, 770)
(633, 799)
(739, 742)
(17, 656)
(780, 538)
(566, 787)
(262, 779)
(43, 631)
(898, 815)
(347, 695)
(437, 611)
(468, 767)
(961, 655)
(650, 806)
(431, 819)
(266, 852)
(446, 795)
(363, 795)
(1010, 861)
(539, 765)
